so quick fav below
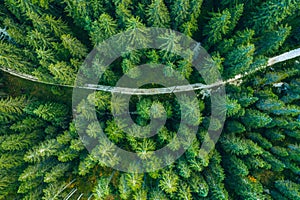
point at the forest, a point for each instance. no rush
(57, 146)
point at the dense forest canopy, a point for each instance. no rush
(42, 155)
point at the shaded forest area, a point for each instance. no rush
(41, 154)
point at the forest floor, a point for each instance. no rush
(16, 86)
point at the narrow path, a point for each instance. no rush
(183, 88)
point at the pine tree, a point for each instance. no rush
(63, 73)
(15, 31)
(169, 44)
(145, 148)
(53, 112)
(12, 105)
(179, 12)
(272, 13)
(158, 14)
(218, 26)
(27, 187)
(260, 140)
(78, 11)
(123, 187)
(169, 182)
(276, 164)
(56, 173)
(293, 151)
(20, 141)
(37, 170)
(134, 181)
(256, 119)
(288, 188)
(184, 169)
(199, 185)
(42, 151)
(136, 35)
(236, 165)
(195, 9)
(11, 108)
(233, 61)
(13, 58)
(103, 28)
(9, 161)
(140, 195)
(76, 48)
(157, 194)
(67, 154)
(8, 182)
(56, 25)
(53, 191)
(190, 110)
(184, 192)
(114, 131)
(272, 40)
(102, 189)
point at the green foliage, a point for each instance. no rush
(103, 28)
(14, 58)
(35, 171)
(62, 73)
(114, 131)
(15, 30)
(102, 188)
(280, 151)
(239, 60)
(221, 23)
(293, 151)
(260, 140)
(272, 13)
(288, 188)
(218, 26)
(28, 124)
(256, 119)
(257, 155)
(158, 14)
(189, 110)
(184, 169)
(134, 181)
(42, 151)
(8, 161)
(199, 185)
(7, 183)
(234, 145)
(12, 105)
(273, 40)
(124, 188)
(76, 48)
(19, 141)
(169, 182)
(234, 127)
(52, 112)
(56, 173)
(184, 192)
(179, 12)
(276, 164)
(157, 194)
(232, 107)
(236, 165)
(10, 108)
(53, 191)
